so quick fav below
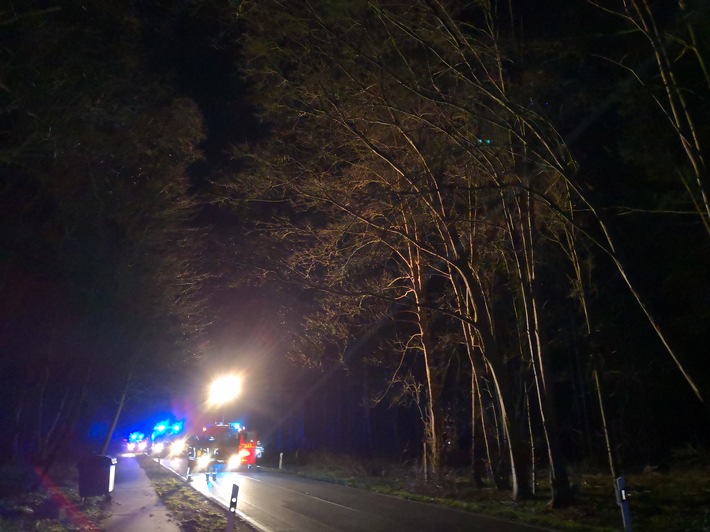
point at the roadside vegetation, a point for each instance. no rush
(189, 508)
(53, 504)
(29, 501)
(676, 498)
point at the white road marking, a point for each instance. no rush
(207, 494)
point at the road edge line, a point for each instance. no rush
(215, 500)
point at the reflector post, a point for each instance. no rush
(232, 508)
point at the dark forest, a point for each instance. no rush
(474, 235)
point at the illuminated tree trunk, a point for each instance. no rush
(433, 379)
(482, 344)
(522, 235)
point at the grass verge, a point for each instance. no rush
(32, 501)
(676, 500)
(192, 510)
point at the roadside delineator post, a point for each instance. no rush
(623, 501)
(232, 508)
(281, 460)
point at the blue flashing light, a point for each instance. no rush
(136, 436)
(159, 429)
(236, 425)
(166, 428)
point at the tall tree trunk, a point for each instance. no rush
(570, 246)
(484, 345)
(561, 490)
(433, 373)
(533, 466)
(607, 438)
(522, 237)
(114, 421)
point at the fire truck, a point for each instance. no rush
(221, 447)
(165, 438)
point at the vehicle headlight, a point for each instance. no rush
(234, 461)
(177, 447)
(204, 461)
(142, 445)
(131, 446)
(158, 447)
(244, 453)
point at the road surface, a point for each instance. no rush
(277, 502)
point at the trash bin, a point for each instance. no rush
(96, 475)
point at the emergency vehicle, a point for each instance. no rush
(221, 447)
(136, 442)
(165, 439)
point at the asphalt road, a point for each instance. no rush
(276, 502)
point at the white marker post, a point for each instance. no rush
(623, 502)
(232, 508)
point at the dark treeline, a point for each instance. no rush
(500, 210)
(101, 259)
(485, 225)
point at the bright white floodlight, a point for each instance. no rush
(224, 389)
